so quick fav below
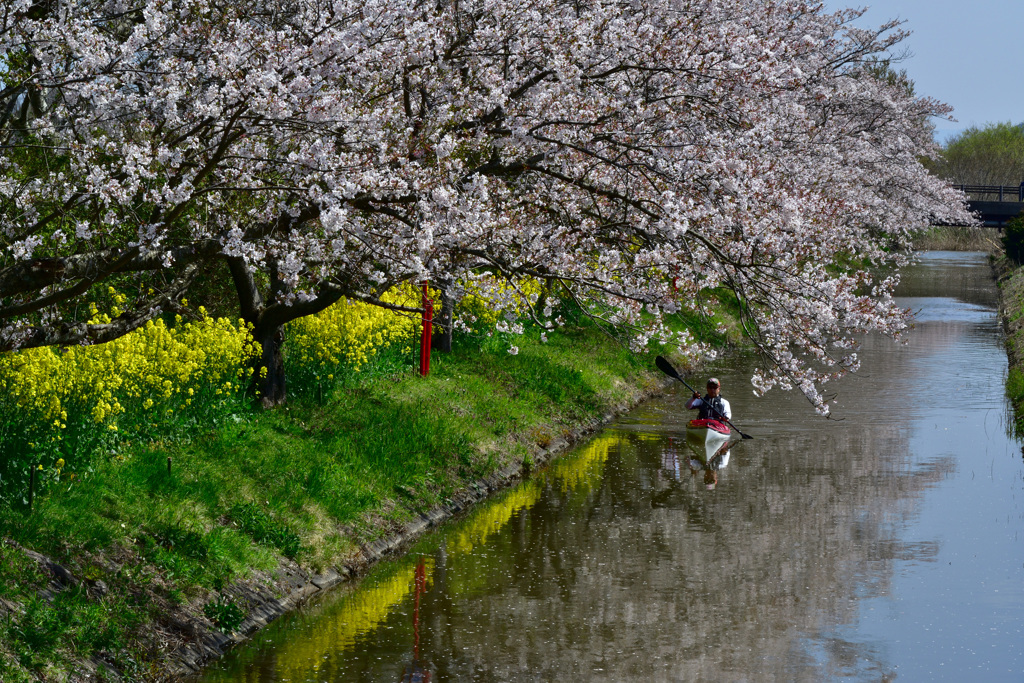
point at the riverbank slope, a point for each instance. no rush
(168, 553)
(1011, 311)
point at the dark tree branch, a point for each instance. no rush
(69, 334)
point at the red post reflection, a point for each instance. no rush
(417, 672)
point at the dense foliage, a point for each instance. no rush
(60, 407)
(635, 156)
(1013, 239)
(343, 338)
(992, 155)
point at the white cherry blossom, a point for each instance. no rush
(640, 158)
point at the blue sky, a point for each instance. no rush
(966, 53)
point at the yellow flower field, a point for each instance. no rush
(64, 404)
(349, 333)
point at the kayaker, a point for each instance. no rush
(712, 405)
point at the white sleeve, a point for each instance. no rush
(726, 409)
(693, 403)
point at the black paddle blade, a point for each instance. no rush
(666, 367)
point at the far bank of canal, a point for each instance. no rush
(882, 544)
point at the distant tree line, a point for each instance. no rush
(992, 155)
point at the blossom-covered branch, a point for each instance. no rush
(642, 153)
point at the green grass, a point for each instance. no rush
(1015, 390)
(70, 626)
(310, 481)
(1011, 285)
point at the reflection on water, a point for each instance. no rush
(881, 544)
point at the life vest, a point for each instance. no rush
(706, 405)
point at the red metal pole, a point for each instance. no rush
(428, 319)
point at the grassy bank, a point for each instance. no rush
(956, 238)
(1011, 310)
(107, 569)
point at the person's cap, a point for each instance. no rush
(713, 381)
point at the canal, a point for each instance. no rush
(882, 544)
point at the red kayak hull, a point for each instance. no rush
(713, 425)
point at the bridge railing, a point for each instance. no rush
(1005, 193)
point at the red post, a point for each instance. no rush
(428, 319)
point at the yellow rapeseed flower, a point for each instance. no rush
(354, 331)
(48, 387)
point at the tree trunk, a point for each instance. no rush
(270, 384)
(441, 339)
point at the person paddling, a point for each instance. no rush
(712, 406)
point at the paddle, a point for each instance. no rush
(667, 368)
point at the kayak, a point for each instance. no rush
(716, 426)
(706, 438)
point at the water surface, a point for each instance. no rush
(883, 544)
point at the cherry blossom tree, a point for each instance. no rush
(639, 157)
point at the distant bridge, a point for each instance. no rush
(995, 204)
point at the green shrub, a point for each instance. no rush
(1013, 239)
(265, 529)
(224, 613)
